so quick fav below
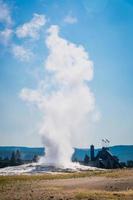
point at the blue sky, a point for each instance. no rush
(104, 28)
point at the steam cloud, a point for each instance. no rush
(63, 96)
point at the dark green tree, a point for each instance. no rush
(35, 158)
(18, 157)
(13, 159)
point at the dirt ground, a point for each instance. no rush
(112, 185)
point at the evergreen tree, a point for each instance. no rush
(18, 157)
(13, 159)
(35, 158)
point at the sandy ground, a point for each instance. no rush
(111, 187)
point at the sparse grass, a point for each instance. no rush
(105, 195)
(36, 187)
(45, 176)
(118, 173)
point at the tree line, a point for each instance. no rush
(15, 159)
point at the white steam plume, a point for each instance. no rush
(64, 97)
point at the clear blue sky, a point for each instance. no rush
(103, 27)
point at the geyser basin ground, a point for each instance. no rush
(94, 185)
(35, 168)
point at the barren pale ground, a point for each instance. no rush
(89, 185)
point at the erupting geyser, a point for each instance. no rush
(64, 97)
